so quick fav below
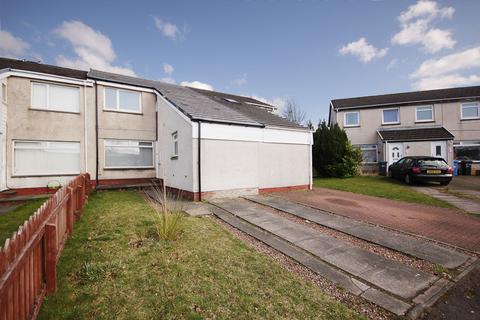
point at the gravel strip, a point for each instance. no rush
(353, 302)
(423, 265)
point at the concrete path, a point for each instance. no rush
(467, 205)
(416, 247)
(394, 278)
(444, 225)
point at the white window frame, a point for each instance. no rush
(47, 107)
(425, 107)
(351, 125)
(4, 92)
(373, 147)
(470, 118)
(398, 116)
(117, 94)
(105, 145)
(17, 174)
(174, 145)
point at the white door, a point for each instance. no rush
(439, 149)
(395, 152)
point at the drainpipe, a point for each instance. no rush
(199, 168)
(96, 134)
(85, 127)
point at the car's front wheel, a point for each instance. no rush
(408, 179)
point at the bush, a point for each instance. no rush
(333, 154)
(168, 213)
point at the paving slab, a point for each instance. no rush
(386, 301)
(416, 247)
(391, 276)
(468, 205)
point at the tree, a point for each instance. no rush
(333, 154)
(293, 112)
(310, 125)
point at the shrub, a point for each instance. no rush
(168, 213)
(333, 154)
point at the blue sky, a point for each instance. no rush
(311, 51)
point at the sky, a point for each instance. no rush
(275, 50)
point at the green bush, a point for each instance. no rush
(333, 154)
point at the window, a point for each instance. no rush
(55, 97)
(125, 154)
(468, 150)
(390, 116)
(46, 158)
(352, 119)
(470, 110)
(369, 152)
(424, 114)
(4, 93)
(123, 100)
(175, 144)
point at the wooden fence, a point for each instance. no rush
(28, 260)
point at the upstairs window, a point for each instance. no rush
(4, 93)
(123, 100)
(175, 144)
(390, 116)
(54, 97)
(424, 113)
(352, 119)
(471, 110)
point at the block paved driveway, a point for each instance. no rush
(446, 225)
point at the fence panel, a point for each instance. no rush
(28, 259)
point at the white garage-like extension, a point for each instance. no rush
(213, 144)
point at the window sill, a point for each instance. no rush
(391, 124)
(424, 121)
(56, 111)
(121, 111)
(173, 157)
(355, 126)
(44, 175)
(130, 168)
(469, 119)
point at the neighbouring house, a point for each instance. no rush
(444, 123)
(57, 122)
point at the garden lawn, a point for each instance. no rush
(379, 186)
(10, 222)
(113, 267)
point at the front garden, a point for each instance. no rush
(115, 267)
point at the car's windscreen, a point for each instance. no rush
(432, 163)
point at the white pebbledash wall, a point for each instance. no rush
(235, 159)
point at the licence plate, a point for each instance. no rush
(434, 171)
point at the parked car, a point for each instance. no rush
(419, 168)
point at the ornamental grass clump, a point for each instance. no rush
(168, 213)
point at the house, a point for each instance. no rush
(444, 123)
(58, 122)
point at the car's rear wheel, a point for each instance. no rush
(408, 179)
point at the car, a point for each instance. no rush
(421, 168)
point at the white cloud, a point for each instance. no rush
(279, 102)
(168, 68)
(168, 80)
(392, 64)
(196, 84)
(241, 81)
(363, 50)
(169, 29)
(11, 46)
(92, 48)
(446, 81)
(416, 27)
(446, 71)
(451, 63)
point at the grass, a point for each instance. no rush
(382, 187)
(10, 222)
(113, 267)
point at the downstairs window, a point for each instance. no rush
(128, 154)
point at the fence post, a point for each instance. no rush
(70, 210)
(51, 257)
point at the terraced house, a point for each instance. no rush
(58, 122)
(444, 123)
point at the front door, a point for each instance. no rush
(395, 152)
(439, 149)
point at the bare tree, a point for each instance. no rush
(293, 112)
